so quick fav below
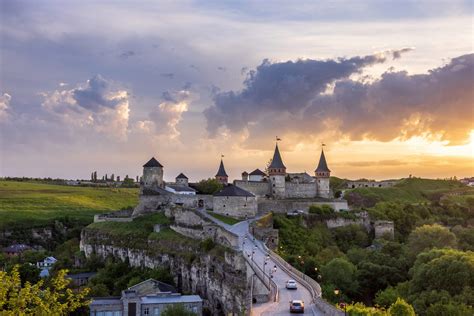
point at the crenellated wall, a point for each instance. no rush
(236, 206)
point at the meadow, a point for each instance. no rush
(30, 204)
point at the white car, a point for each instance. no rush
(291, 285)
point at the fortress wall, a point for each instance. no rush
(236, 206)
(154, 203)
(384, 228)
(258, 188)
(284, 206)
(370, 184)
(300, 190)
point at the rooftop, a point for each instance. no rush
(172, 298)
(277, 163)
(322, 165)
(181, 176)
(180, 188)
(257, 172)
(152, 163)
(221, 172)
(232, 190)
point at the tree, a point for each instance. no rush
(427, 237)
(39, 299)
(177, 310)
(342, 274)
(209, 186)
(401, 308)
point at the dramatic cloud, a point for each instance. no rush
(165, 117)
(282, 87)
(293, 98)
(4, 105)
(95, 105)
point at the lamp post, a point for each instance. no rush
(270, 274)
(341, 303)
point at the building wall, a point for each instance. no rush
(193, 307)
(236, 206)
(384, 229)
(255, 177)
(277, 186)
(182, 181)
(153, 176)
(323, 187)
(154, 203)
(256, 188)
(284, 206)
(300, 190)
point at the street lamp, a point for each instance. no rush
(341, 303)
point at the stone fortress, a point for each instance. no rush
(257, 192)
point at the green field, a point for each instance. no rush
(30, 204)
(414, 190)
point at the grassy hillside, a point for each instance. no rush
(35, 204)
(414, 190)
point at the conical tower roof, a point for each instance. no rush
(277, 163)
(152, 163)
(322, 165)
(221, 172)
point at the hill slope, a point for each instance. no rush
(29, 204)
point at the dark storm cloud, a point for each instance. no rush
(284, 86)
(94, 95)
(289, 97)
(398, 53)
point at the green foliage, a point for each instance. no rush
(386, 297)
(117, 276)
(38, 299)
(209, 186)
(359, 309)
(430, 236)
(449, 309)
(465, 237)
(225, 219)
(443, 269)
(349, 236)
(324, 211)
(342, 274)
(207, 244)
(401, 308)
(27, 205)
(177, 310)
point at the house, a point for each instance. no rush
(257, 175)
(150, 297)
(235, 202)
(81, 279)
(15, 249)
(45, 266)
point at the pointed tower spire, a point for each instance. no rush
(277, 162)
(322, 165)
(221, 175)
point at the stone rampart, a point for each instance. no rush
(371, 184)
(285, 206)
(236, 206)
(258, 188)
(384, 229)
(300, 190)
(156, 203)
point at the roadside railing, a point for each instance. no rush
(271, 286)
(311, 285)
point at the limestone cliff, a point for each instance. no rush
(219, 276)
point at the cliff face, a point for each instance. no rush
(218, 276)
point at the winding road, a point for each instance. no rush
(248, 245)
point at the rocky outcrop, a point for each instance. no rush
(219, 276)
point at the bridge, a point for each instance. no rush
(273, 272)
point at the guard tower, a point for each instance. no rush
(221, 175)
(322, 174)
(277, 174)
(153, 174)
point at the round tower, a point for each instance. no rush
(322, 174)
(277, 174)
(153, 174)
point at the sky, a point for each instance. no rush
(103, 86)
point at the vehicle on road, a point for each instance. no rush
(291, 285)
(296, 306)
